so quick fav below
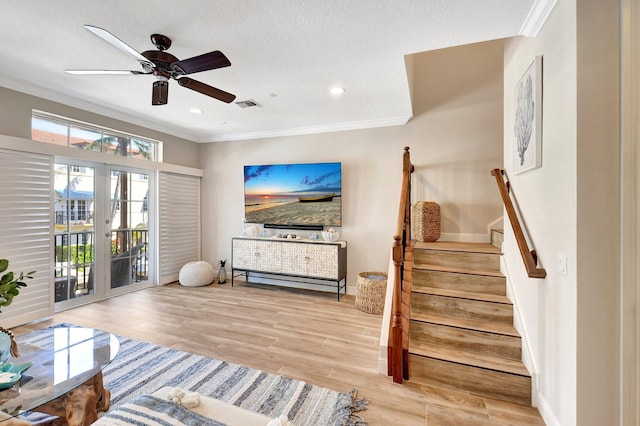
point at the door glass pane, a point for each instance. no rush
(74, 241)
(129, 228)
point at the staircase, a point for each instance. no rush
(461, 333)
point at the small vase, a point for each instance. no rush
(222, 273)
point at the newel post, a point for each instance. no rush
(395, 360)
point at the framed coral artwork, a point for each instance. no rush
(527, 127)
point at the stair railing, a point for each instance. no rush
(529, 257)
(397, 354)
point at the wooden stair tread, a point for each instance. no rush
(488, 362)
(458, 246)
(485, 297)
(467, 323)
(457, 270)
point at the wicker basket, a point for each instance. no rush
(371, 289)
(425, 221)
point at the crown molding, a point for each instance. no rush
(50, 95)
(537, 16)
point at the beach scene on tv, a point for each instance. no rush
(293, 194)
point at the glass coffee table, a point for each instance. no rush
(65, 379)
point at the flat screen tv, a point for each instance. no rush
(298, 196)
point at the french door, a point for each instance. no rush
(102, 243)
(128, 228)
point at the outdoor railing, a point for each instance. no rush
(75, 261)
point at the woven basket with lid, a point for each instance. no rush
(425, 221)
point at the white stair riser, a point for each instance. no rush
(497, 238)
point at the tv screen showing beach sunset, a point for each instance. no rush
(293, 194)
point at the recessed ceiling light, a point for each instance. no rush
(196, 111)
(336, 90)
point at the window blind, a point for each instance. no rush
(26, 229)
(179, 224)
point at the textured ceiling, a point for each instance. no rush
(285, 55)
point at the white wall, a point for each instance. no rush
(547, 200)
(569, 206)
(455, 140)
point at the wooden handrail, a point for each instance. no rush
(395, 360)
(529, 257)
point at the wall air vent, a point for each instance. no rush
(249, 103)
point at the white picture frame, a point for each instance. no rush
(527, 122)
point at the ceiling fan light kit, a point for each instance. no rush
(160, 94)
(164, 66)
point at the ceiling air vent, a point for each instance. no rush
(249, 103)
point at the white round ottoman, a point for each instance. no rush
(196, 274)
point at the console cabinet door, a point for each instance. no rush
(256, 255)
(322, 260)
(293, 258)
(268, 256)
(244, 254)
(310, 260)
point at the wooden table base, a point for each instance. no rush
(80, 406)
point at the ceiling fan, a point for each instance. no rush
(165, 66)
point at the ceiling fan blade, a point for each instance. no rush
(105, 72)
(205, 62)
(205, 89)
(119, 44)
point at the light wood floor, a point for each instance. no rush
(305, 335)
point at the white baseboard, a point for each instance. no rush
(382, 360)
(527, 352)
(496, 224)
(466, 238)
(545, 411)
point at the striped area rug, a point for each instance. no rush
(142, 368)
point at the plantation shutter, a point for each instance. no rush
(179, 224)
(26, 229)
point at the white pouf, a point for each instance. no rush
(196, 274)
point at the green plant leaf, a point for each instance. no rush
(7, 278)
(4, 264)
(8, 299)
